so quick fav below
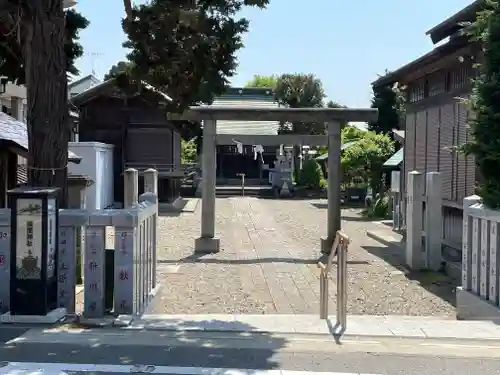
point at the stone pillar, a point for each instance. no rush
(433, 221)
(151, 181)
(467, 225)
(207, 243)
(16, 108)
(414, 255)
(131, 187)
(334, 173)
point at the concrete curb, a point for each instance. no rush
(385, 239)
(357, 326)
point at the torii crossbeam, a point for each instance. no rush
(334, 117)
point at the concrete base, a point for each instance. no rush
(52, 317)
(473, 307)
(206, 245)
(326, 245)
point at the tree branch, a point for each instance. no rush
(127, 4)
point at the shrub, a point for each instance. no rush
(380, 209)
(311, 174)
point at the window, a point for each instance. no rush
(460, 77)
(416, 91)
(436, 83)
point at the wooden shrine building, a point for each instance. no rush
(136, 124)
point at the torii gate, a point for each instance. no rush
(334, 117)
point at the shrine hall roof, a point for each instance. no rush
(247, 97)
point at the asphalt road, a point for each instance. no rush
(312, 356)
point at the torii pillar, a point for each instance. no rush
(207, 242)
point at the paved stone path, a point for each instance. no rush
(268, 265)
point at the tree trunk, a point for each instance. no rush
(47, 94)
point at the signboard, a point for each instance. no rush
(51, 237)
(29, 239)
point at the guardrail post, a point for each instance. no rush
(342, 282)
(151, 186)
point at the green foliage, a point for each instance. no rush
(348, 134)
(311, 175)
(363, 161)
(351, 133)
(188, 151)
(122, 67)
(300, 91)
(332, 104)
(191, 60)
(263, 82)
(485, 128)
(380, 209)
(389, 101)
(11, 48)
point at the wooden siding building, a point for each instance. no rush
(436, 117)
(137, 126)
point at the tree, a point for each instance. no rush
(39, 45)
(12, 57)
(263, 82)
(351, 134)
(485, 143)
(115, 70)
(332, 104)
(364, 159)
(186, 48)
(300, 91)
(188, 151)
(390, 104)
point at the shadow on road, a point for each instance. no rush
(208, 259)
(169, 342)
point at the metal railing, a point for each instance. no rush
(339, 250)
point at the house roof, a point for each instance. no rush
(83, 79)
(452, 24)
(428, 58)
(106, 87)
(342, 148)
(245, 97)
(395, 160)
(16, 132)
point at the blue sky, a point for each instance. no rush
(345, 43)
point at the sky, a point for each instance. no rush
(344, 43)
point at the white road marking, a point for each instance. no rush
(36, 368)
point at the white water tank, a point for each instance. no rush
(97, 164)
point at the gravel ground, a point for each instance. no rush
(268, 265)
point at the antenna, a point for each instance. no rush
(93, 56)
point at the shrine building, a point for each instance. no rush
(235, 158)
